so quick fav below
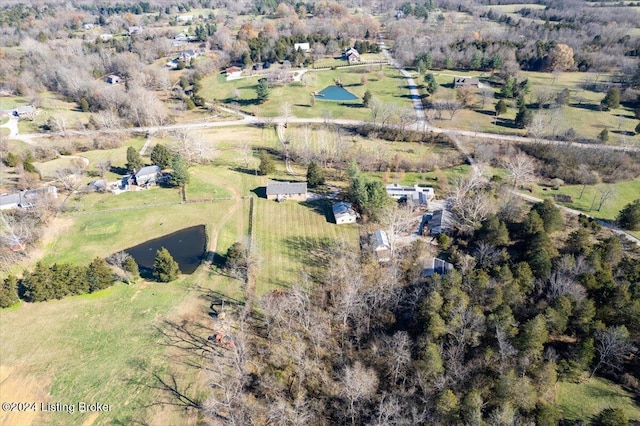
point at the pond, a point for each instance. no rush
(187, 247)
(336, 93)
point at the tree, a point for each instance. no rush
(611, 417)
(612, 346)
(550, 215)
(501, 107)
(560, 58)
(629, 216)
(366, 98)
(520, 168)
(179, 175)
(236, 261)
(99, 274)
(131, 268)
(262, 91)
(84, 105)
(611, 99)
(637, 129)
(161, 156)
(523, 117)
(466, 95)
(315, 174)
(267, 166)
(165, 268)
(603, 136)
(134, 161)
(358, 384)
(431, 85)
(9, 291)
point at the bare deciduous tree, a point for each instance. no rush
(359, 383)
(612, 346)
(520, 168)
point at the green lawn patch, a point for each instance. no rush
(624, 193)
(580, 401)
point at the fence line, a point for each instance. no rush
(146, 206)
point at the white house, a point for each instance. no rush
(112, 79)
(381, 246)
(352, 55)
(106, 37)
(302, 46)
(344, 213)
(184, 18)
(233, 73)
(416, 194)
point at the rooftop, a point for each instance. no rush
(283, 188)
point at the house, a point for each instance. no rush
(281, 191)
(112, 79)
(303, 47)
(434, 265)
(420, 195)
(466, 82)
(105, 37)
(27, 199)
(134, 29)
(233, 73)
(344, 213)
(351, 55)
(439, 222)
(184, 18)
(381, 246)
(27, 111)
(88, 26)
(148, 175)
(186, 55)
(9, 201)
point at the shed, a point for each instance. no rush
(344, 213)
(233, 73)
(112, 79)
(148, 175)
(381, 246)
(303, 47)
(466, 82)
(9, 201)
(434, 265)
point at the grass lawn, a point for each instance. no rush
(583, 400)
(287, 235)
(624, 193)
(386, 85)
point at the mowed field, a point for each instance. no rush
(581, 401)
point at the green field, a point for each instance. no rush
(624, 193)
(386, 85)
(583, 400)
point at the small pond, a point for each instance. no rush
(187, 247)
(336, 93)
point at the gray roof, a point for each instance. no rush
(342, 209)
(284, 188)
(27, 109)
(10, 199)
(148, 170)
(381, 239)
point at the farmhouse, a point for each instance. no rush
(351, 55)
(381, 246)
(434, 265)
(184, 18)
(25, 111)
(420, 195)
(466, 82)
(186, 55)
(233, 73)
(148, 175)
(439, 222)
(303, 47)
(343, 213)
(112, 79)
(106, 37)
(281, 191)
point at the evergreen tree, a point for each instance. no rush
(262, 91)
(430, 83)
(638, 128)
(539, 255)
(27, 164)
(11, 160)
(179, 175)
(161, 156)
(629, 216)
(131, 268)
(523, 117)
(99, 274)
(134, 161)
(165, 268)
(603, 136)
(611, 417)
(366, 98)
(550, 215)
(501, 107)
(315, 174)
(508, 88)
(84, 105)
(9, 291)
(611, 99)
(267, 165)
(37, 284)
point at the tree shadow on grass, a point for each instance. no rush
(119, 170)
(241, 102)
(623, 132)
(320, 206)
(506, 122)
(245, 171)
(588, 107)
